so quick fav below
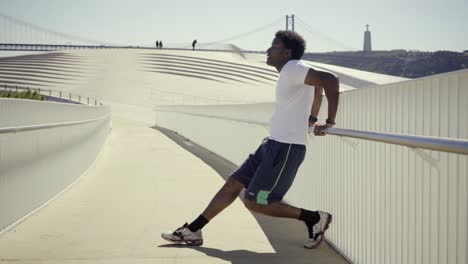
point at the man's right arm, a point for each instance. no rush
(331, 85)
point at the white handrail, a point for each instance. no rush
(5, 130)
(458, 146)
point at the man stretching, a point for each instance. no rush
(268, 173)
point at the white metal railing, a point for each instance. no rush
(440, 144)
(4, 130)
(66, 96)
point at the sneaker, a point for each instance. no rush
(317, 231)
(184, 235)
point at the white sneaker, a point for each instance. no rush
(318, 230)
(184, 235)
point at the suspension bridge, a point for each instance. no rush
(20, 35)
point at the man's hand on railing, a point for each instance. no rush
(319, 129)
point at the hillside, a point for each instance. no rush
(408, 64)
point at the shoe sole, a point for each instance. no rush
(194, 243)
(327, 224)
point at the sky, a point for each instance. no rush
(327, 25)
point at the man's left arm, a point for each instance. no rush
(331, 85)
(317, 103)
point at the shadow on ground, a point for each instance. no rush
(250, 257)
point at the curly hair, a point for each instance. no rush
(292, 41)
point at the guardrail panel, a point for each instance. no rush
(36, 165)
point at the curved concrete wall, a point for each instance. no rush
(37, 165)
(391, 204)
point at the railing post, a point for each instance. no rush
(88, 100)
(70, 97)
(95, 101)
(79, 98)
(50, 92)
(60, 93)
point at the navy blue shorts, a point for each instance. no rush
(268, 173)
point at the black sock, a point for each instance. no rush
(309, 217)
(198, 223)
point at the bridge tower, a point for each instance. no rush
(290, 21)
(367, 40)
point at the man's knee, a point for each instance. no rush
(252, 205)
(233, 186)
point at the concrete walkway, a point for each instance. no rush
(141, 184)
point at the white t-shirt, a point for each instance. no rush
(289, 123)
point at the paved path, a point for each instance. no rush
(143, 183)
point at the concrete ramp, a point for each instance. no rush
(142, 184)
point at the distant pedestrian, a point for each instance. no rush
(160, 44)
(157, 44)
(193, 44)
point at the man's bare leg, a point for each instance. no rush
(277, 209)
(230, 191)
(191, 233)
(317, 222)
(225, 196)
